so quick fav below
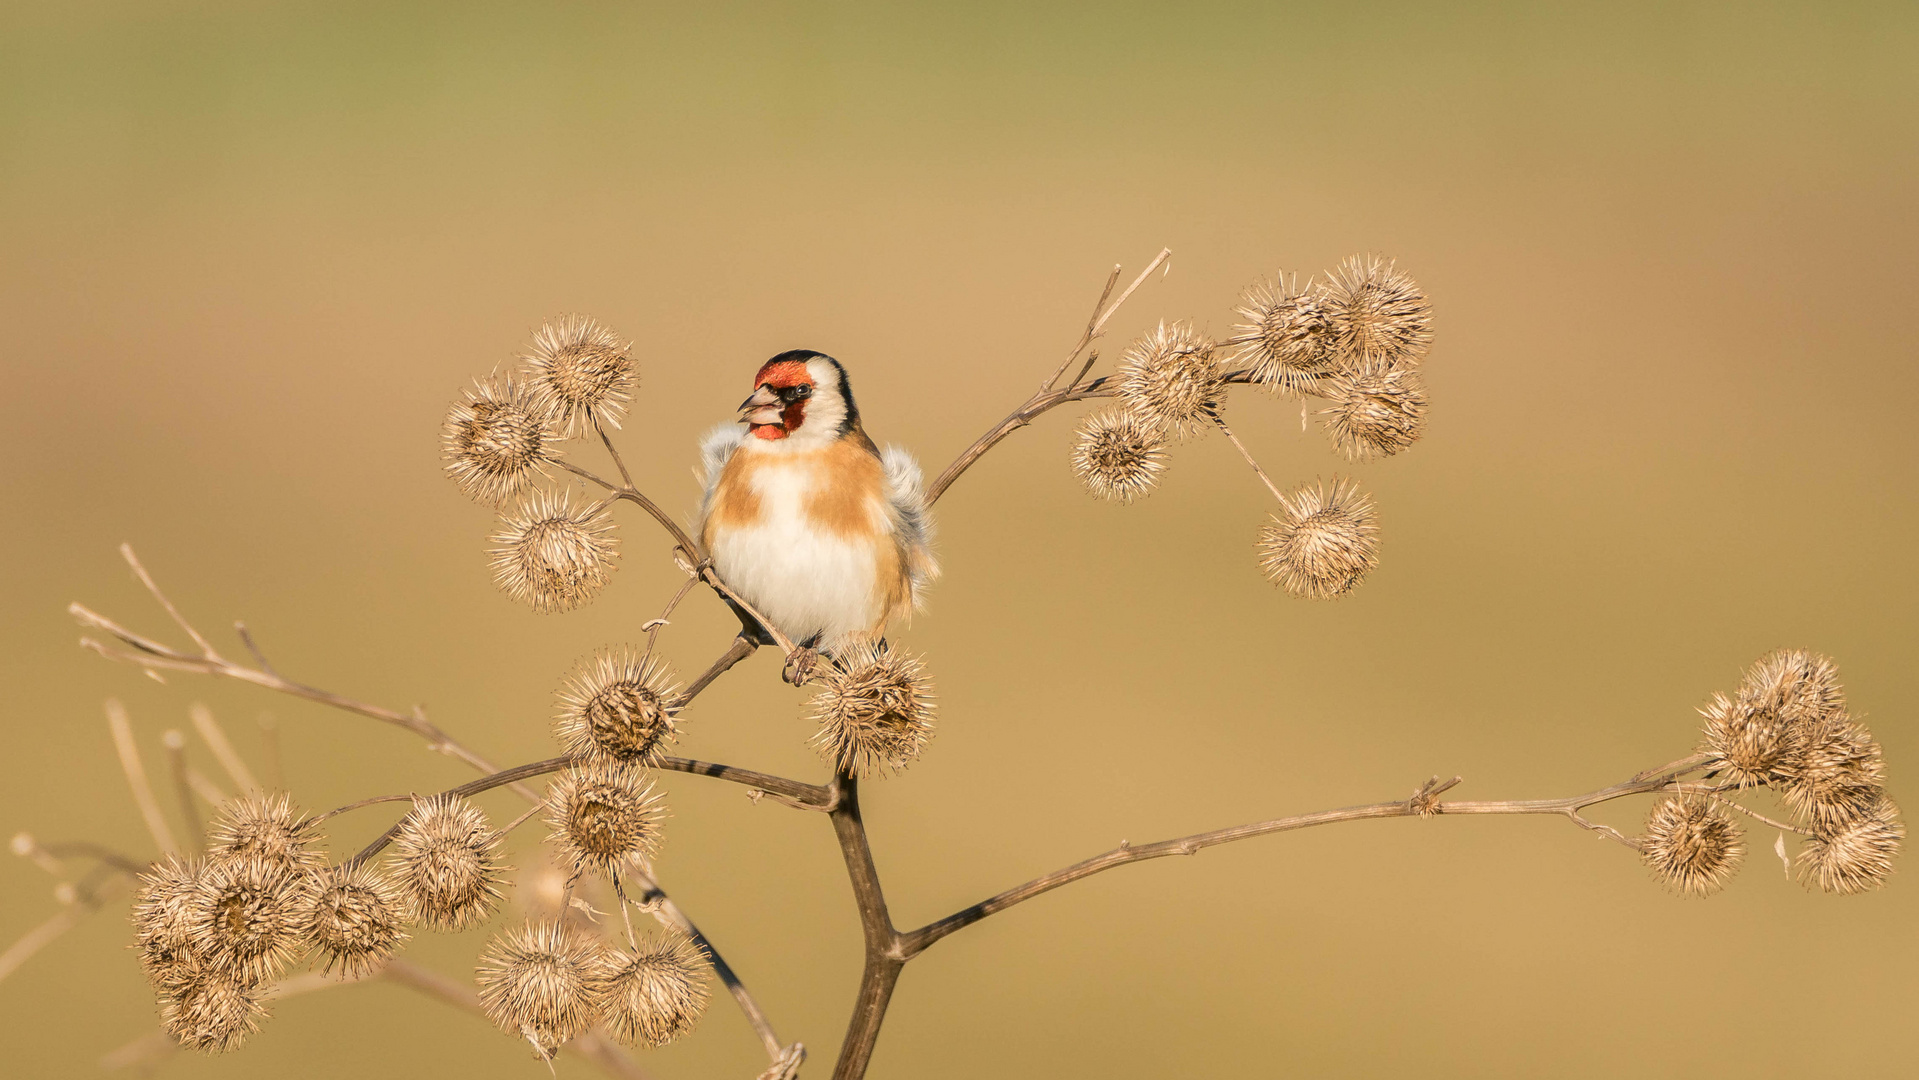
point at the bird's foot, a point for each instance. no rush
(799, 665)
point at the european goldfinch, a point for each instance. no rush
(809, 522)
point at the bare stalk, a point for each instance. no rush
(885, 956)
(1248, 455)
(216, 739)
(918, 941)
(129, 752)
(176, 746)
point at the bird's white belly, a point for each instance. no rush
(806, 580)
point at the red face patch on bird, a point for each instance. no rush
(777, 405)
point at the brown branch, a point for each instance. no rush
(918, 941)
(885, 956)
(669, 913)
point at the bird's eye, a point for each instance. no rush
(797, 393)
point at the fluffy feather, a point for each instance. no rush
(912, 521)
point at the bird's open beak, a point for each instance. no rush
(763, 407)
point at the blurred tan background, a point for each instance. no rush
(250, 251)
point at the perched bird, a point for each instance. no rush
(809, 522)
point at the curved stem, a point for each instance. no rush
(917, 941)
(884, 955)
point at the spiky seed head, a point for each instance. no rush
(1120, 455)
(211, 1011)
(545, 982)
(1853, 856)
(1376, 411)
(1171, 378)
(1763, 730)
(1323, 542)
(1692, 845)
(1836, 774)
(447, 863)
(1749, 741)
(581, 372)
(551, 555)
(603, 814)
(163, 920)
(267, 827)
(1801, 688)
(875, 709)
(617, 706)
(243, 918)
(1379, 313)
(496, 439)
(352, 917)
(1293, 342)
(657, 992)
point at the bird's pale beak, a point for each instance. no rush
(763, 407)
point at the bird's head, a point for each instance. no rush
(802, 397)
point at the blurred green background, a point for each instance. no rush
(250, 252)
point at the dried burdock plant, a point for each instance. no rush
(497, 440)
(446, 860)
(243, 917)
(657, 991)
(268, 828)
(1853, 856)
(604, 815)
(618, 706)
(1120, 455)
(545, 982)
(581, 375)
(1379, 314)
(1323, 542)
(1290, 340)
(212, 1011)
(1171, 378)
(875, 710)
(214, 930)
(1375, 411)
(1692, 845)
(352, 916)
(554, 556)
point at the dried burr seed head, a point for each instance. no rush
(1837, 773)
(581, 373)
(1762, 732)
(265, 827)
(162, 920)
(1379, 314)
(616, 707)
(1120, 455)
(1323, 542)
(496, 440)
(875, 709)
(1293, 341)
(1376, 411)
(447, 862)
(1692, 845)
(658, 992)
(603, 814)
(211, 1011)
(551, 555)
(243, 917)
(1170, 378)
(545, 982)
(352, 916)
(1855, 855)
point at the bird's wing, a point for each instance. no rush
(715, 449)
(906, 499)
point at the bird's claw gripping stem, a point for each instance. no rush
(799, 665)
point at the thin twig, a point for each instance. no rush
(614, 453)
(1248, 455)
(246, 638)
(206, 647)
(129, 752)
(176, 746)
(216, 739)
(885, 956)
(651, 893)
(1086, 336)
(917, 941)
